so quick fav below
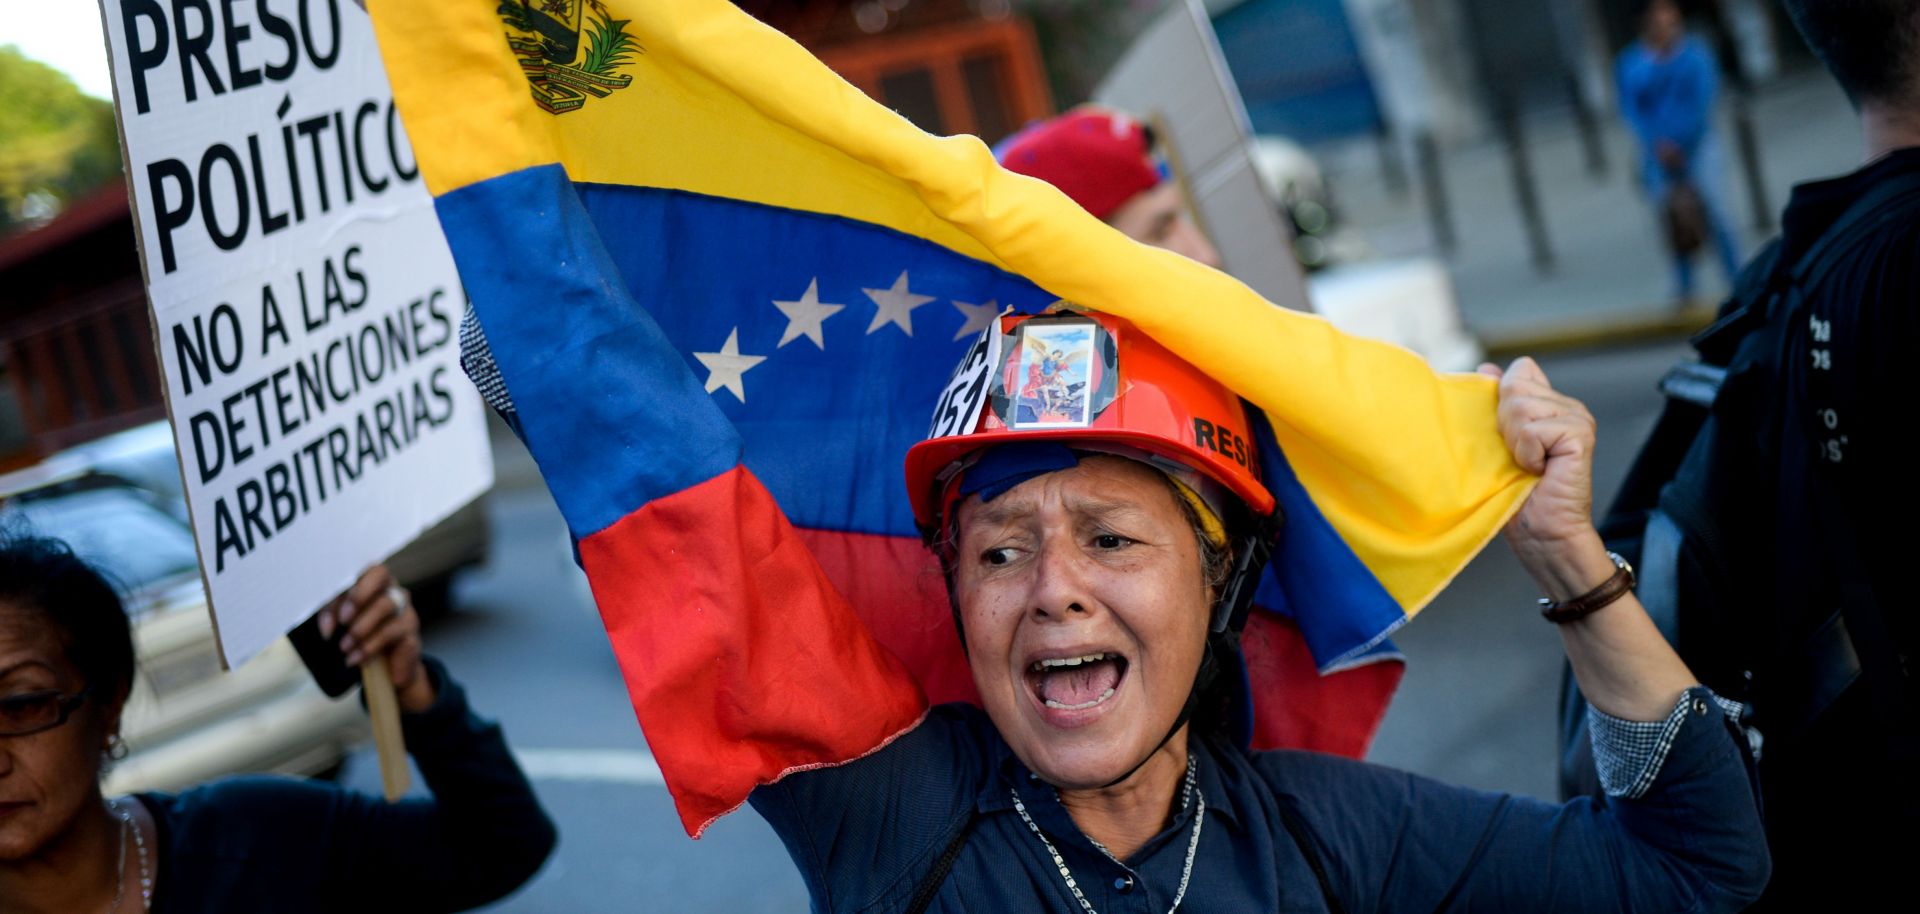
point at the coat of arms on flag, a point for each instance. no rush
(567, 52)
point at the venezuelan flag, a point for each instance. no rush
(723, 289)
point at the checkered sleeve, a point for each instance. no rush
(1628, 754)
(476, 358)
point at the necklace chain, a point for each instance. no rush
(127, 825)
(120, 869)
(1186, 872)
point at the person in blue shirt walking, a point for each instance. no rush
(1667, 82)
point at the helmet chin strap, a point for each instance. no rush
(1202, 677)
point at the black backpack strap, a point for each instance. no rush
(930, 883)
(1756, 295)
(1759, 281)
(1885, 204)
(1689, 387)
(1301, 837)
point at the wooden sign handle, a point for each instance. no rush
(383, 706)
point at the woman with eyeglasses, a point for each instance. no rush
(245, 844)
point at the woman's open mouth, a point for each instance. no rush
(1077, 683)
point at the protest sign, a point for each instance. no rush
(305, 307)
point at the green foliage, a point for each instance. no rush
(608, 45)
(56, 143)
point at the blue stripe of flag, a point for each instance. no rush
(611, 426)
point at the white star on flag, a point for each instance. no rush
(804, 316)
(979, 317)
(727, 365)
(896, 305)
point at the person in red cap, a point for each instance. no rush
(1103, 159)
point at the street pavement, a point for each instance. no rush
(1476, 707)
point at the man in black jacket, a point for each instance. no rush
(1794, 505)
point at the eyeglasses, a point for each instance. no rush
(32, 712)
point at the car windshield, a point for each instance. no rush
(142, 455)
(117, 530)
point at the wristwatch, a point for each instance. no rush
(1592, 601)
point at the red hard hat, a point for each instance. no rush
(1083, 378)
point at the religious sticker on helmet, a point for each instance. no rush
(1052, 377)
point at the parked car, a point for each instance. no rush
(186, 721)
(145, 456)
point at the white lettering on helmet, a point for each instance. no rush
(966, 392)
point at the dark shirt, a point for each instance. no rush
(865, 834)
(1872, 297)
(254, 845)
(1845, 826)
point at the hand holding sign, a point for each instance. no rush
(379, 622)
(380, 634)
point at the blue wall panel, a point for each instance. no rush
(1299, 68)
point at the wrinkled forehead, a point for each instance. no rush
(28, 637)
